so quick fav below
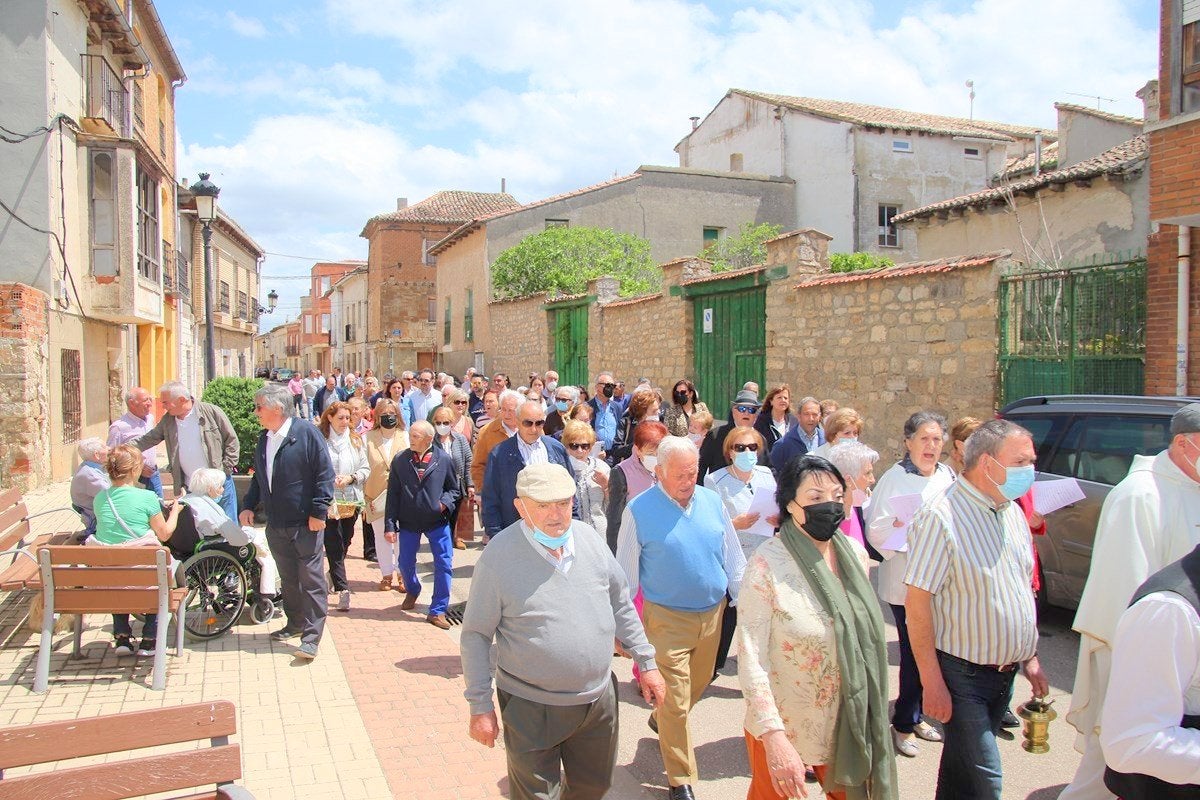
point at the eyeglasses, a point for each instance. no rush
(579, 446)
(746, 409)
(460, 402)
(741, 448)
(534, 423)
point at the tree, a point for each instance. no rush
(235, 396)
(561, 260)
(853, 262)
(744, 250)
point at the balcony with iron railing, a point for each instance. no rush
(292, 350)
(105, 98)
(177, 275)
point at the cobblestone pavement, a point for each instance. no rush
(380, 712)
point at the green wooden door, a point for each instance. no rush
(730, 344)
(571, 345)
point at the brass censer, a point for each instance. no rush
(1037, 714)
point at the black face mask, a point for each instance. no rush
(821, 520)
(387, 420)
(681, 397)
(608, 391)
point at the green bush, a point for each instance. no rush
(235, 396)
(746, 249)
(561, 260)
(853, 262)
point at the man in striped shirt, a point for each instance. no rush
(970, 605)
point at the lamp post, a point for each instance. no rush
(205, 192)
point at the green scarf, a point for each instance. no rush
(862, 765)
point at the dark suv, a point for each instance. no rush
(1092, 438)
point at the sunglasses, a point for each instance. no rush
(460, 402)
(579, 446)
(741, 448)
(534, 423)
(746, 409)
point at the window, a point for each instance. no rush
(72, 398)
(308, 328)
(323, 285)
(138, 104)
(557, 223)
(432, 315)
(735, 162)
(162, 138)
(901, 146)
(711, 236)
(446, 324)
(426, 259)
(1101, 448)
(243, 306)
(324, 323)
(1191, 48)
(971, 152)
(888, 235)
(104, 221)
(469, 317)
(349, 332)
(223, 298)
(148, 257)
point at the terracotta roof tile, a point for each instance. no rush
(451, 207)
(1095, 112)
(634, 300)
(726, 275)
(909, 269)
(1022, 165)
(881, 117)
(1126, 157)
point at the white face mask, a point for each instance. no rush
(650, 418)
(696, 438)
(650, 462)
(443, 429)
(551, 386)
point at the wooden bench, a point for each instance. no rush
(219, 764)
(17, 540)
(78, 579)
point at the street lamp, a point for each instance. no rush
(205, 193)
(272, 300)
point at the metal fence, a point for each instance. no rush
(1076, 330)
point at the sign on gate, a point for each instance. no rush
(708, 319)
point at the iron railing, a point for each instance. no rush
(104, 95)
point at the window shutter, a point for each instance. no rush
(1191, 12)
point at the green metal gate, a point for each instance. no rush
(1080, 330)
(730, 342)
(569, 325)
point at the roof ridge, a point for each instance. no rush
(1095, 112)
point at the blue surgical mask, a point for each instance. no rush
(562, 406)
(1017, 481)
(545, 539)
(745, 461)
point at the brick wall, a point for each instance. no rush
(1161, 294)
(24, 381)
(399, 285)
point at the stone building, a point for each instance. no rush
(401, 274)
(679, 211)
(316, 316)
(1173, 255)
(855, 166)
(90, 236)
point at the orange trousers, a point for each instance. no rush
(761, 787)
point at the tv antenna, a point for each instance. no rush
(1095, 97)
(971, 86)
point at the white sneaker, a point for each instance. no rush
(344, 601)
(906, 744)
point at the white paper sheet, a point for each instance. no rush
(1052, 495)
(898, 541)
(762, 502)
(903, 507)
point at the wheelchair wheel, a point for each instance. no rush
(262, 610)
(216, 595)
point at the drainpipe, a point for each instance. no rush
(1183, 291)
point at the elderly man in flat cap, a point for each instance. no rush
(1149, 520)
(552, 598)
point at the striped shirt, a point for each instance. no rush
(975, 558)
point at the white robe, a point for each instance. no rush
(1149, 520)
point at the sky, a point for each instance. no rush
(314, 116)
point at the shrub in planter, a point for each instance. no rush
(235, 396)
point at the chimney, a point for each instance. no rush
(503, 185)
(1037, 153)
(401, 203)
(1149, 97)
(695, 122)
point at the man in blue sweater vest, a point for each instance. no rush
(552, 598)
(678, 544)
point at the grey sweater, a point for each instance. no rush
(553, 632)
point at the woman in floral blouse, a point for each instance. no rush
(813, 665)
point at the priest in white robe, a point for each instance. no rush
(1149, 520)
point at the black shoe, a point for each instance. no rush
(124, 645)
(283, 634)
(653, 723)
(681, 793)
(1009, 720)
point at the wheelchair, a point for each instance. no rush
(222, 580)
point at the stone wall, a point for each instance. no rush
(24, 383)
(519, 329)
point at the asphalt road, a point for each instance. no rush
(716, 724)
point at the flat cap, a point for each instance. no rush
(1186, 419)
(545, 483)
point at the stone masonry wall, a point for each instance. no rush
(521, 340)
(24, 382)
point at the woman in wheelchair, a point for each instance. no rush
(128, 515)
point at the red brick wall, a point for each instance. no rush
(398, 284)
(1162, 277)
(1175, 171)
(1165, 90)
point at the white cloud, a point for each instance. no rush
(245, 26)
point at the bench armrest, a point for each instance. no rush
(49, 511)
(232, 792)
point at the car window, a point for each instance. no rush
(1046, 431)
(1101, 448)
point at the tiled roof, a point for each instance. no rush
(1020, 165)
(726, 275)
(909, 269)
(888, 118)
(472, 223)
(1126, 157)
(1095, 112)
(451, 207)
(633, 300)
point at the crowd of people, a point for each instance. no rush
(667, 529)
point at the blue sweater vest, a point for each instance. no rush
(683, 556)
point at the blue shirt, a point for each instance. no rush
(605, 422)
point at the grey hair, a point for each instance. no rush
(922, 418)
(810, 399)
(275, 395)
(571, 391)
(989, 438)
(89, 448)
(602, 373)
(206, 481)
(511, 394)
(674, 446)
(129, 392)
(851, 458)
(175, 390)
(421, 427)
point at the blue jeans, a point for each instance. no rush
(970, 767)
(442, 547)
(907, 712)
(228, 499)
(154, 483)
